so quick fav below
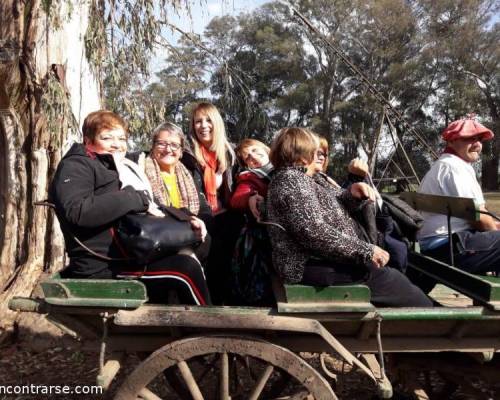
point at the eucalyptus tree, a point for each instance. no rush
(59, 59)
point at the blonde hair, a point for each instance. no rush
(220, 144)
(245, 143)
(323, 145)
(293, 146)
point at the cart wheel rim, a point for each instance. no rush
(177, 353)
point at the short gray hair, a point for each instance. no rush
(168, 127)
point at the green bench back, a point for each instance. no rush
(484, 290)
(459, 207)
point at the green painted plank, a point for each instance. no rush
(459, 207)
(327, 307)
(94, 302)
(494, 280)
(337, 294)
(437, 313)
(99, 290)
(473, 286)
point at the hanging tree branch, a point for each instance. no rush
(361, 76)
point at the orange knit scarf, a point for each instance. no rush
(209, 178)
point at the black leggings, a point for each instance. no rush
(388, 286)
(178, 272)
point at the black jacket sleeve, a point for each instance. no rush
(73, 192)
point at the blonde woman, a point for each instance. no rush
(210, 157)
(211, 160)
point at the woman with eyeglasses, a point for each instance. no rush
(314, 239)
(172, 183)
(94, 186)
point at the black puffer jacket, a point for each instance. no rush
(86, 193)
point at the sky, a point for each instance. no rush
(203, 13)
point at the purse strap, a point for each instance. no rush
(73, 236)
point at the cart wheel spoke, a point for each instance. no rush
(302, 395)
(261, 382)
(190, 381)
(224, 376)
(281, 373)
(147, 394)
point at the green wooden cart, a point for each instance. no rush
(255, 353)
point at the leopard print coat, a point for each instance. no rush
(315, 216)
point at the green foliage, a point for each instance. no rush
(52, 8)
(56, 110)
(435, 61)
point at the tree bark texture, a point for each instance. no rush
(39, 67)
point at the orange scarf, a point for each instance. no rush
(209, 178)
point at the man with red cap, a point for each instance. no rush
(476, 244)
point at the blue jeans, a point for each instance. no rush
(474, 252)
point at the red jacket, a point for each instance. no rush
(247, 184)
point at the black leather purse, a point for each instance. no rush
(147, 238)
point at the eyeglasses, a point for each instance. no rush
(160, 144)
(320, 153)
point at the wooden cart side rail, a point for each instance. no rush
(484, 291)
(156, 316)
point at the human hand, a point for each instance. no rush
(362, 191)
(199, 228)
(254, 203)
(358, 167)
(380, 257)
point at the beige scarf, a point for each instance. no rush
(187, 188)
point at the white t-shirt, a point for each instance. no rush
(449, 176)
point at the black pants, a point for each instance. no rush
(225, 231)
(388, 286)
(180, 273)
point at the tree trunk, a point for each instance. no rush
(491, 150)
(39, 67)
(489, 165)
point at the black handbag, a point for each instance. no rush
(147, 238)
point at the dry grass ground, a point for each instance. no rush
(493, 202)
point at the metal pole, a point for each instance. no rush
(450, 237)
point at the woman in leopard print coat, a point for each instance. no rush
(320, 244)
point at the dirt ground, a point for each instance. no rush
(59, 360)
(493, 202)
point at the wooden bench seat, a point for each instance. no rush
(312, 299)
(94, 292)
(481, 289)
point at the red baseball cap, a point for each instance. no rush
(465, 128)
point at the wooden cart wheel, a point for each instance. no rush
(269, 363)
